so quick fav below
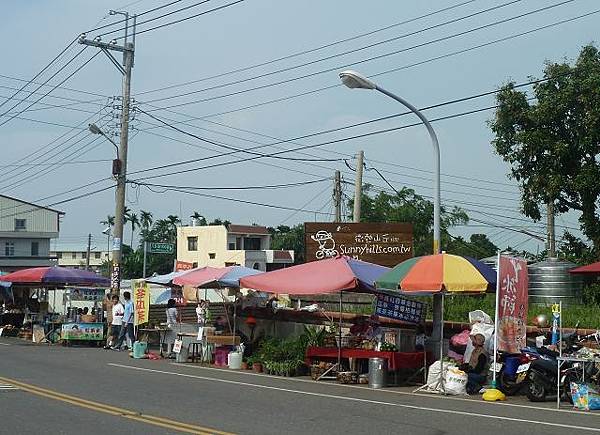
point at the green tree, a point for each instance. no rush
(576, 250)
(286, 238)
(552, 142)
(110, 221)
(478, 246)
(133, 219)
(407, 206)
(198, 218)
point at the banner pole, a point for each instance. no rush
(496, 321)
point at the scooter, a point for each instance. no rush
(543, 372)
(512, 379)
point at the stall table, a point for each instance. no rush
(161, 332)
(396, 360)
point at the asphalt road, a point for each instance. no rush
(92, 391)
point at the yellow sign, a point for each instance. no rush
(555, 309)
(141, 297)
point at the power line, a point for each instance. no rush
(139, 15)
(157, 18)
(222, 145)
(243, 201)
(48, 65)
(307, 51)
(370, 59)
(46, 148)
(444, 56)
(265, 187)
(54, 87)
(185, 19)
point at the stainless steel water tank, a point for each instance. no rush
(377, 372)
(550, 281)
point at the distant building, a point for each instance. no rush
(76, 257)
(218, 246)
(25, 233)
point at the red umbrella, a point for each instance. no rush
(332, 275)
(55, 275)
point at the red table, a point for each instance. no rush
(396, 360)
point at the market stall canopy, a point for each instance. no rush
(593, 268)
(331, 275)
(215, 277)
(55, 275)
(439, 273)
(165, 280)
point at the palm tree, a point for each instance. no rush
(173, 220)
(135, 222)
(110, 221)
(146, 219)
(198, 219)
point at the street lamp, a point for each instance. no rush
(116, 167)
(354, 80)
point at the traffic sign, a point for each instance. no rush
(161, 248)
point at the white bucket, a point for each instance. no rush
(234, 360)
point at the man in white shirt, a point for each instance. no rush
(117, 320)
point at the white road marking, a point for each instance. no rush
(4, 344)
(356, 399)
(400, 393)
(8, 387)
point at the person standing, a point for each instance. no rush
(127, 326)
(171, 334)
(116, 314)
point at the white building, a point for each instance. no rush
(218, 246)
(25, 233)
(76, 257)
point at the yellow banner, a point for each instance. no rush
(141, 300)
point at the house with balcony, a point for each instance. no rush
(25, 233)
(218, 246)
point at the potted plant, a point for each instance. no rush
(257, 367)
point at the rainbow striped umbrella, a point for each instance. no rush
(439, 273)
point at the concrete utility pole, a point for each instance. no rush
(358, 185)
(551, 232)
(128, 53)
(337, 196)
(89, 251)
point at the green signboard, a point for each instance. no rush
(161, 248)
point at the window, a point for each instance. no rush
(73, 254)
(232, 246)
(252, 244)
(59, 255)
(97, 255)
(192, 243)
(212, 255)
(238, 243)
(20, 224)
(35, 249)
(9, 249)
(84, 255)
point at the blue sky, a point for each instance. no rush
(255, 31)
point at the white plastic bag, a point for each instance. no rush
(433, 375)
(479, 316)
(456, 382)
(481, 323)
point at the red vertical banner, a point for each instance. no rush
(512, 304)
